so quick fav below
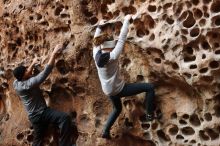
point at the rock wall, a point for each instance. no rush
(173, 43)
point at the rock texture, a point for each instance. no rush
(174, 43)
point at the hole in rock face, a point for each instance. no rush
(215, 7)
(179, 137)
(170, 20)
(57, 11)
(20, 136)
(202, 22)
(162, 135)
(97, 123)
(140, 33)
(149, 21)
(175, 66)
(188, 130)
(203, 135)
(154, 126)
(217, 21)
(167, 5)
(152, 37)
(183, 16)
(195, 2)
(182, 122)
(203, 56)
(129, 10)
(19, 41)
(188, 50)
(142, 1)
(214, 64)
(194, 32)
(30, 138)
(212, 134)
(197, 13)
(157, 60)
(64, 15)
(21, 6)
(152, 8)
(206, 1)
(145, 126)
(126, 62)
(193, 66)
(188, 4)
(189, 58)
(93, 20)
(203, 70)
(193, 141)
(206, 15)
(190, 21)
(31, 17)
(73, 114)
(177, 8)
(185, 116)
(104, 8)
(116, 13)
(117, 27)
(217, 52)
(63, 80)
(216, 45)
(12, 46)
(44, 23)
(173, 130)
(173, 116)
(184, 31)
(62, 67)
(39, 16)
(194, 120)
(128, 123)
(140, 78)
(146, 135)
(87, 13)
(214, 35)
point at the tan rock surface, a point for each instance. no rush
(174, 43)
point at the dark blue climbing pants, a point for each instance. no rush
(130, 90)
(58, 118)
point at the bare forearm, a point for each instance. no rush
(51, 61)
(30, 68)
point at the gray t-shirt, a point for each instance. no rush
(30, 93)
(109, 75)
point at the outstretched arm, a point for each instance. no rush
(97, 33)
(37, 80)
(121, 40)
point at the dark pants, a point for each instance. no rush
(130, 90)
(58, 118)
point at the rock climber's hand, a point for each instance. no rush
(57, 49)
(128, 17)
(102, 22)
(35, 60)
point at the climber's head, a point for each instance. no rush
(19, 72)
(23, 73)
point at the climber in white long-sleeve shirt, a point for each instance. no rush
(106, 53)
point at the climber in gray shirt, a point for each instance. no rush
(106, 53)
(27, 87)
